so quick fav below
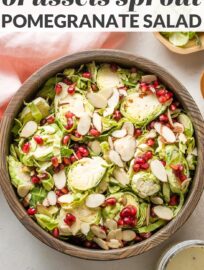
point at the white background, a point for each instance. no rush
(19, 250)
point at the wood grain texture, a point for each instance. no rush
(202, 84)
(190, 47)
(29, 90)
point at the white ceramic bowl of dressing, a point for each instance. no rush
(187, 255)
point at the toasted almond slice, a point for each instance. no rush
(158, 127)
(122, 92)
(168, 134)
(158, 170)
(84, 124)
(45, 202)
(97, 231)
(115, 158)
(114, 99)
(119, 133)
(52, 198)
(143, 147)
(110, 141)
(178, 127)
(97, 100)
(95, 200)
(115, 234)
(101, 243)
(129, 127)
(128, 235)
(126, 147)
(108, 111)
(121, 176)
(24, 189)
(97, 122)
(163, 212)
(85, 228)
(170, 118)
(157, 200)
(148, 78)
(26, 200)
(182, 138)
(60, 179)
(152, 134)
(111, 224)
(67, 198)
(114, 243)
(95, 147)
(195, 151)
(29, 129)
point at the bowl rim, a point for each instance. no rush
(29, 89)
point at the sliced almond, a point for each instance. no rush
(115, 158)
(129, 127)
(152, 134)
(158, 170)
(99, 232)
(45, 202)
(115, 234)
(52, 198)
(122, 92)
(111, 224)
(182, 138)
(29, 129)
(148, 78)
(24, 189)
(114, 243)
(26, 200)
(170, 118)
(195, 151)
(163, 212)
(108, 111)
(121, 176)
(110, 141)
(128, 235)
(95, 147)
(178, 127)
(97, 122)
(102, 187)
(97, 100)
(60, 179)
(157, 200)
(85, 228)
(84, 124)
(125, 147)
(67, 198)
(119, 133)
(158, 127)
(168, 134)
(101, 243)
(95, 200)
(114, 99)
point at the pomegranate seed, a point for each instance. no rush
(66, 139)
(117, 115)
(161, 92)
(55, 232)
(126, 212)
(51, 119)
(150, 142)
(137, 132)
(133, 222)
(73, 158)
(69, 115)
(136, 167)
(133, 210)
(26, 148)
(145, 166)
(180, 168)
(133, 70)
(120, 222)
(182, 177)
(70, 219)
(71, 90)
(67, 81)
(35, 179)
(64, 190)
(70, 124)
(86, 75)
(94, 88)
(174, 200)
(173, 107)
(38, 140)
(43, 122)
(66, 161)
(163, 118)
(84, 152)
(162, 99)
(155, 84)
(31, 211)
(148, 155)
(151, 125)
(113, 67)
(55, 162)
(139, 160)
(58, 193)
(127, 220)
(77, 134)
(94, 132)
(110, 201)
(169, 95)
(79, 155)
(146, 235)
(163, 162)
(144, 87)
(58, 89)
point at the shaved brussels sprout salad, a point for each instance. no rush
(181, 39)
(103, 156)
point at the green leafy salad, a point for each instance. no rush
(180, 39)
(103, 156)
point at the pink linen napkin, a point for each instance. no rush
(23, 53)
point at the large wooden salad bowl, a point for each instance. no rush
(28, 91)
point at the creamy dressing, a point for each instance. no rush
(188, 259)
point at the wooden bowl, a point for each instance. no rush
(29, 90)
(190, 47)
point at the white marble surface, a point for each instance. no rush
(19, 250)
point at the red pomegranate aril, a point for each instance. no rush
(120, 222)
(140, 160)
(127, 220)
(144, 87)
(69, 115)
(182, 177)
(173, 200)
(84, 152)
(113, 67)
(148, 155)
(136, 167)
(151, 125)
(150, 142)
(94, 132)
(31, 211)
(67, 81)
(58, 193)
(71, 90)
(79, 155)
(163, 118)
(155, 84)
(126, 212)
(55, 232)
(163, 162)
(133, 210)
(73, 158)
(86, 75)
(51, 119)
(38, 140)
(66, 139)
(110, 201)
(77, 134)
(70, 124)
(145, 166)
(26, 148)
(137, 132)
(180, 168)
(55, 162)
(58, 89)
(94, 87)
(35, 180)
(132, 222)
(162, 99)
(117, 115)
(64, 190)
(146, 235)
(70, 219)
(161, 92)
(173, 107)
(66, 161)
